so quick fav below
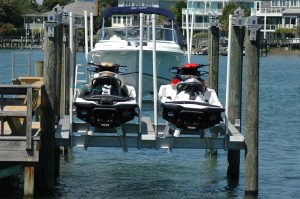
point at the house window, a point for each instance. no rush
(295, 3)
(206, 19)
(220, 5)
(207, 5)
(278, 3)
(128, 20)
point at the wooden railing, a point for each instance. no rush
(18, 104)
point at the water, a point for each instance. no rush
(149, 173)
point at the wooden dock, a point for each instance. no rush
(20, 136)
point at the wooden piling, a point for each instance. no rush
(213, 57)
(63, 75)
(59, 54)
(251, 113)
(48, 107)
(29, 181)
(66, 74)
(235, 93)
(59, 88)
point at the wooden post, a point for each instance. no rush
(48, 107)
(235, 93)
(66, 75)
(22, 45)
(59, 53)
(213, 57)
(63, 77)
(28, 181)
(251, 113)
(59, 72)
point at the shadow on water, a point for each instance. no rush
(11, 187)
(110, 173)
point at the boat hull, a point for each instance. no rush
(130, 58)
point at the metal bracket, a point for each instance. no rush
(251, 22)
(50, 28)
(58, 14)
(213, 20)
(238, 19)
(239, 12)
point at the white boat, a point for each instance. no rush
(187, 103)
(121, 45)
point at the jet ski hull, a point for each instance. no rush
(105, 116)
(187, 118)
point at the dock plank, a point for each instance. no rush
(147, 129)
(234, 134)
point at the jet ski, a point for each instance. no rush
(106, 102)
(186, 102)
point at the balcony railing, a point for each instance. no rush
(199, 11)
(267, 11)
(34, 25)
(197, 25)
(273, 27)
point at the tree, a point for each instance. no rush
(11, 14)
(297, 30)
(228, 9)
(285, 32)
(103, 4)
(177, 12)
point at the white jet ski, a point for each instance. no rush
(106, 102)
(187, 103)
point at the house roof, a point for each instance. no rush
(78, 7)
(291, 11)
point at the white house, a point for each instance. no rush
(272, 14)
(275, 14)
(123, 20)
(202, 9)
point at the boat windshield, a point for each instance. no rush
(133, 34)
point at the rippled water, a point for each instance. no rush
(150, 173)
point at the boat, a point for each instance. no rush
(121, 45)
(106, 102)
(187, 103)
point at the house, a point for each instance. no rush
(34, 23)
(202, 9)
(273, 14)
(123, 20)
